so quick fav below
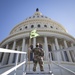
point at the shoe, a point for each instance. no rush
(42, 70)
(34, 70)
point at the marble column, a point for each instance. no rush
(23, 49)
(5, 57)
(68, 54)
(18, 49)
(46, 48)
(73, 53)
(34, 42)
(54, 54)
(63, 55)
(12, 55)
(58, 53)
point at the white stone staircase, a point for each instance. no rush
(54, 68)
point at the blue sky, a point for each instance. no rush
(12, 12)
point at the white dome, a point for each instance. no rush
(38, 19)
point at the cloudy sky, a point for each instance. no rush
(12, 12)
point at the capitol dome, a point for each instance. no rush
(53, 37)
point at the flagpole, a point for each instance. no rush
(32, 34)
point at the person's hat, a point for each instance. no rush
(37, 45)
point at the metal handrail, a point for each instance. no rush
(16, 64)
(12, 69)
(11, 51)
(66, 49)
(65, 68)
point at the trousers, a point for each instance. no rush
(40, 62)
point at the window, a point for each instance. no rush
(45, 16)
(45, 25)
(56, 28)
(32, 26)
(25, 27)
(29, 17)
(37, 16)
(51, 26)
(42, 16)
(38, 25)
(20, 28)
(33, 16)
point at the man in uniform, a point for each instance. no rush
(38, 57)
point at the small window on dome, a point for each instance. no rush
(33, 16)
(42, 16)
(45, 25)
(37, 16)
(20, 28)
(29, 17)
(32, 26)
(25, 27)
(39, 25)
(45, 16)
(51, 26)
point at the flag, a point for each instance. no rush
(33, 34)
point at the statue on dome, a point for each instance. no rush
(37, 10)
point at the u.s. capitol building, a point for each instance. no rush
(53, 37)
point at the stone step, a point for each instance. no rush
(40, 73)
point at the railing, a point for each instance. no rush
(25, 60)
(58, 61)
(16, 63)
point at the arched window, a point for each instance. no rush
(45, 25)
(25, 27)
(20, 28)
(37, 16)
(45, 16)
(32, 26)
(51, 26)
(42, 16)
(39, 25)
(29, 17)
(33, 16)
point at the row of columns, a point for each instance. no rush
(58, 55)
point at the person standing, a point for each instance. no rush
(38, 57)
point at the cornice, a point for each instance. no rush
(38, 31)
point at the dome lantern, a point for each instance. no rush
(37, 9)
